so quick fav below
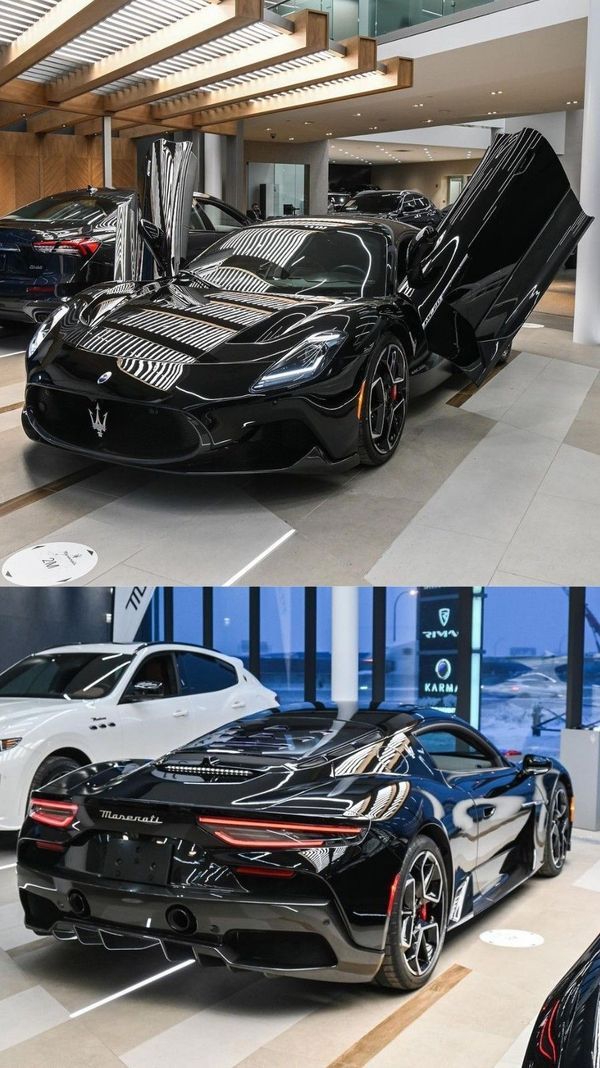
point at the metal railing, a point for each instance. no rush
(378, 17)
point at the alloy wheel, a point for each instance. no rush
(422, 913)
(559, 827)
(387, 398)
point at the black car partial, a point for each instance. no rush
(567, 1031)
(56, 247)
(405, 205)
(297, 343)
(314, 842)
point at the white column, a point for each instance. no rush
(344, 644)
(213, 165)
(107, 170)
(587, 303)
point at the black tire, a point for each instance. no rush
(558, 831)
(418, 919)
(384, 402)
(51, 768)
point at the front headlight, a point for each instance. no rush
(8, 743)
(305, 361)
(46, 328)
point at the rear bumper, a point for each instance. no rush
(27, 309)
(303, 938)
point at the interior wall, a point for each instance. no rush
(33, 165)
(428, 178)
(35, 618)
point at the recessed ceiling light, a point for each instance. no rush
(268, 129)
(418, 105)
(492, 112)
(497, 92)
(307, 122)
(329, 133)
(291, 138)
(428, 120)
(357, 114)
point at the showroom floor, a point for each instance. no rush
(483, 998)
(501, 486)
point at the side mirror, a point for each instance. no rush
(534, 764)
(154, 240)
(148, 688)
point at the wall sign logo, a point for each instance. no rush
(49, 564)
(444, 616)
(443, 669)
(98, 421)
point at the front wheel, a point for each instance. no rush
(556, 844)
(384, 402)
(418, 919)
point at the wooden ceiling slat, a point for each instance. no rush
(210, 22)
(66, 20)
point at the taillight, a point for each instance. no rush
(547, 1044)
(81, 245)
(255, 834)
(52, 813)
(265, 873)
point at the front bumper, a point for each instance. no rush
(300, 937)
(244, 436)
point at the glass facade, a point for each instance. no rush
(508, 666)
(524, 667)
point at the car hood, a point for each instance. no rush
(21, 714)
(172, 334)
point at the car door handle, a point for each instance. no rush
(238, 704)
(179, 713)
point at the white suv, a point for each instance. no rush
(81, 704)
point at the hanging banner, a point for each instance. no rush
(130, 605)
(437, 633)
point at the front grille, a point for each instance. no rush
(208, 772)
(142, 432)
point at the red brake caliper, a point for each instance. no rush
(394, 392)
(424, 912)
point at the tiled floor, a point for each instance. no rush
(212, 1017)
(503, 489)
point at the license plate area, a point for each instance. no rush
(138, 860)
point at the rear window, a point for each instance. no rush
(272, 733)
(375, 203)
(68, 210)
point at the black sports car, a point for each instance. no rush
(567, 1030)
(310, 842)
(405, 205)
(62, 244)
(292, 344)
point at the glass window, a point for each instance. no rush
(365, 644)
(187, 614)
(197, 220)
(219, 218)
(204, 674)
(231, 621)
(76, 676)
(523, 668)
(591, 663)
(66, 209)
(376, 203)
(401, 645)
(282, 641)
(454, 751)
(155, 678)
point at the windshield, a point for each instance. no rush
(375, 203)
(273, 733)
(74, 676)
(66, 209)
(324, 261)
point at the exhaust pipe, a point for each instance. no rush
(78, 903)
(181, 919)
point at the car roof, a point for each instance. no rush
(396, 192)
(389, 227)
(388, 717)
(92, 191)
(127, 647)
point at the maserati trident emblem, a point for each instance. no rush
(98, 421)
(104, 378)
(444, 614)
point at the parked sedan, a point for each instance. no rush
(567, 1031)
(59, 245)
(297, 343)
(406, 205)
(532, 684)
(63, 708)
(317, 843)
